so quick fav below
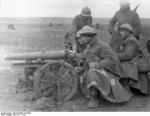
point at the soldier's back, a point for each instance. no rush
(81, 21)
(128, 16)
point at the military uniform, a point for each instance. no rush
(121, 17)
(131, 56)
(129, 49)
(106, 76)
(127, 16)
(78, 22)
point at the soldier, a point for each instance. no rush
(104, 73)
(124, 15)
(84, 18)
(132, 59)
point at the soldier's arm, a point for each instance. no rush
(128, 54)
(137, 25)
(74, 29)
(106, 58)
(91, 21)
(112, 23)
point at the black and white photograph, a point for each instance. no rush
(74, 56)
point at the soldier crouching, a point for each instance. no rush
(133, 60)
(104, 73)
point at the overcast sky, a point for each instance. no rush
(66, 8)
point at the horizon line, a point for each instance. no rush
(55, 17)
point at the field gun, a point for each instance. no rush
(33, 60)
(52, 72)
(30, 61)
(47, 69)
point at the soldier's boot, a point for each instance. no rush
(93, 102)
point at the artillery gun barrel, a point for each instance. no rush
(37, 55)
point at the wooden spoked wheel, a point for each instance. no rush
(55, 79)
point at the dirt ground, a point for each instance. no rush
(11, 100)
(22, 39)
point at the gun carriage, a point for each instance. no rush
(50, 70)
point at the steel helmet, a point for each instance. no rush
(86, 11)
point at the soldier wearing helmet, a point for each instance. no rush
(132, 58)
(129, 47)
(84, 18)
(104, 73)
(126, 15)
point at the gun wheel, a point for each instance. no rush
(56, 80)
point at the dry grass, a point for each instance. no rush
(40, 37)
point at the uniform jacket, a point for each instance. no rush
(134, 62)
(106, 78)
(130, 49)
(107, 58)
(130, 52)
(127, 16)
(77, 23)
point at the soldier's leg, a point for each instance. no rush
(93, 102)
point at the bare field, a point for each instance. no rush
(41, 37)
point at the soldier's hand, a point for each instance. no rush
(79, 69)
(94, 65)
(72, 54)
(75, 47)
